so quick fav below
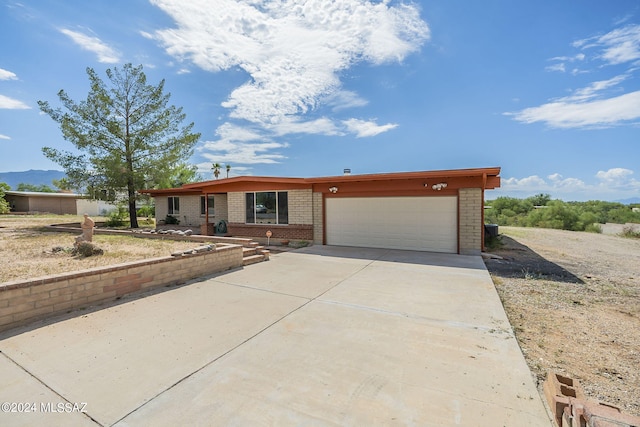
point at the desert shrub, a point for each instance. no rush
(4, 205)
(171, 220)
(87, 249)
(630, 231)
(593, 228)
(492, 243)
(148, 222)
(118, 217)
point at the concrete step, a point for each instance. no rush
(253, 259)
(249, 251)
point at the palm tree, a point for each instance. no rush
(216, 169)
(228, 169)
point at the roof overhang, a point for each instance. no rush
(43, 194)
(407, 182)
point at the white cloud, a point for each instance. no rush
(560, 66)
(612, 184)
(292, 52)
(344, 99)
(568, 114)
(106, 54)
(602, 103)
(7, 75)
(615, 176)
(556, 67)
(12, 104)
(241, 145)
(4, 136)
(364, 128)
(618, 46)
(289, 125)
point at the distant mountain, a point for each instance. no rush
(34, 177)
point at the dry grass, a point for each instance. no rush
(573, 300)
(25, 248)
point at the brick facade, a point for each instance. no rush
(470, 225)
(289, 232)
(301, 218)
(235, 204)
(318, 227)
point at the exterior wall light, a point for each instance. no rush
(334, 190)
(439, 186)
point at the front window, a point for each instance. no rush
(204, 201)
(267, 207)
(174, 205)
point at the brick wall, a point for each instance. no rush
(300, 206)
(470, 226)
(221, 210)
(290, 232)
(190, 211)
(318, 231)
(162, 207)
(235, 203)
(24, 302)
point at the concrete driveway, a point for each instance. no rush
(319, 336)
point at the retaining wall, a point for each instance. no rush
(22, 302)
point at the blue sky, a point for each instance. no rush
(548, 90)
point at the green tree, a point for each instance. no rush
(36, 188)
(62, 184)
(128, 133)
(228, 169)
(539, 199)
(4, 205)
(182, 174)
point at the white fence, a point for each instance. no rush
(94, 207)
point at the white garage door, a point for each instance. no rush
(415, 223)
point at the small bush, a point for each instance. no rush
(150, 222)
(593, 228)
(630, 231)
(171, 220)
(87, 249)
(117, 218)
(493, 243)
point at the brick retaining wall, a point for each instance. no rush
(22, 302)
(291, 231)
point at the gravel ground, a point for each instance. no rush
(573, 300)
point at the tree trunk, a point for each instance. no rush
(133, 215)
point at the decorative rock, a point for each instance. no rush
(188, 232)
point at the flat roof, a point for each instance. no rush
(42, 194)
(490, 177)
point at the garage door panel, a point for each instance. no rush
(416, 223)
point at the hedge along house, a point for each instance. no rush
(436, 211)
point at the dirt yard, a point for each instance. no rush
(573, 299)
(26, 250)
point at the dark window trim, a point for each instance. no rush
(173, 205)
(251, 215)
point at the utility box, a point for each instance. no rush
(490, 231)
